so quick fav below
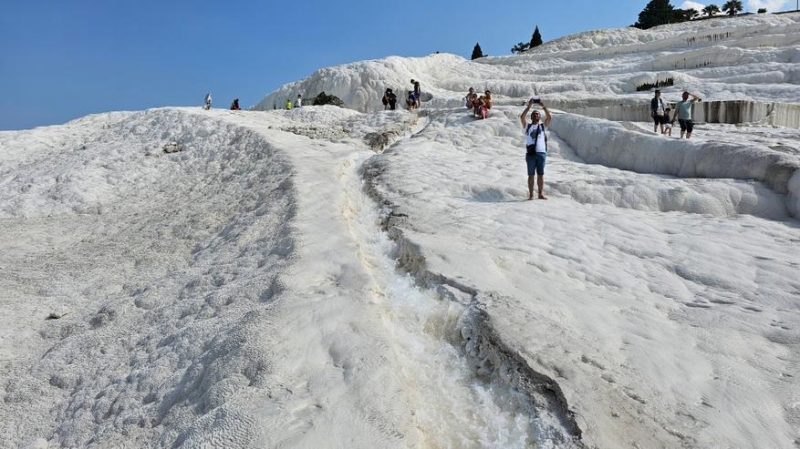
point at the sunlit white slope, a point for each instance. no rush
(243, 292)
(666, 312)
(755, 57)
(238, 293)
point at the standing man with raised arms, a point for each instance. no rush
(536, 145)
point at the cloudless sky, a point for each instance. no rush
(63, 59)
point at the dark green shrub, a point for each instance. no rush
(648, 86)
(323, 99)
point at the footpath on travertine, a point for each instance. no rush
(635, 292)
(357, 313)
(627, 341)
(240, 292)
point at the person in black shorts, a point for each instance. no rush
(657, 112)
(684, 111)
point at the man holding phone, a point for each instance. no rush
(536, 145)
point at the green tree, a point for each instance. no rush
(520, 47)
(477, 52)
(710, 10)
(682, 15)
(657, 12)
(536, 39)
(733, 7)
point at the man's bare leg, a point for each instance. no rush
(540, 184)
(530, 188)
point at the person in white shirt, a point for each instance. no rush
(536, 145)
(299, 102)
(207, 104)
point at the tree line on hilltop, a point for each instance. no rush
(536, 40)
(661, 12)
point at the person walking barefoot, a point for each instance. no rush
(536, 145)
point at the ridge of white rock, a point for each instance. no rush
(242, 292)
(754, 57)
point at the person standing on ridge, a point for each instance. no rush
(207, 102)
(684, 112)
(299, 102)
(235, 105)
(417, 94)
(657, 111)
(288, 104)
(536, 145)
(487, 103)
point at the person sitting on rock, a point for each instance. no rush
(235, 105)
(389, 99)
(480, 109)
(471, 98)
(411, 100)
(487, 100)
(417, 94)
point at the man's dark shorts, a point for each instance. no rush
(686, 125)
(659, 119)
(535, 163)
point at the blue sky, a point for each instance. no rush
(63, 59)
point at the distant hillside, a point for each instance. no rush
(755, 57)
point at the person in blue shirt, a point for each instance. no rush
(683, 110)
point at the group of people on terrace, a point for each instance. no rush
(235, 103)
(413, 99)
(665, 117)
(479, 105)
(536, 130)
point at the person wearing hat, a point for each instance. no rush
(389, 99)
